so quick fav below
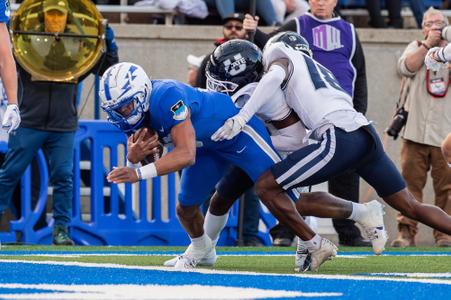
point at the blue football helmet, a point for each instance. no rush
(123, 84)
(292, 40)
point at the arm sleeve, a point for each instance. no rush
(264, 91)
(261, 38)
(360, 99)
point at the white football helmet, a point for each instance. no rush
(122, 84)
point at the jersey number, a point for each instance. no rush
(317, 80)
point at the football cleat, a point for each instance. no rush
(372, 222)
(307, 260)
(208, 260)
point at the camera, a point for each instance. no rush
(446, 33)
(398, 122)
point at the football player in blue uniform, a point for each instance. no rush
(187, 117)
(8, 74)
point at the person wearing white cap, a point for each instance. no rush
(194, 63)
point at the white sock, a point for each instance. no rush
(358, 211)
(213, 225)
(312, 244)
(200, 242)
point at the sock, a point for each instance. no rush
(358, 211)
(200, 242)
(312, 244)
(213, 225)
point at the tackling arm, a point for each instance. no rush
(264, 91)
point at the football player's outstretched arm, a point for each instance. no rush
(264, 92)
(182, 155)
(8, 74)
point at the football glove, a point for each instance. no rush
(231, 128)
(11, 118)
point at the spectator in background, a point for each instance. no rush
(264, 9)
(49, 121)
(194, 63)
(394, 13)
(335, 44)
(428, 123)
(232, 29)
(9, 112)
(287, 10)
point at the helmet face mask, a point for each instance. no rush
(125, 89)
(233, 65)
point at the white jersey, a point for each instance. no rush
(312, 90)
(285, 140)
(276, 109)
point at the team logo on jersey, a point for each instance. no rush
(237, 66)
(327, 37)
(179, 110)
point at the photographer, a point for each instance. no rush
(429, 106)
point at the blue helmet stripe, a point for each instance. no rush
(106, 86)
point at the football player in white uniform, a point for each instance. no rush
(345, 139)
(233, 69)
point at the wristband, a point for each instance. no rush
(147, 172)
(425, 46)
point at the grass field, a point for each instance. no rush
(46, 272)
(350, 260)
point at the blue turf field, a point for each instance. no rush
(73, 280)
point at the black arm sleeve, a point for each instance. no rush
(261, 38)
(360, 88)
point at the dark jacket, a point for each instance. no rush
(52, 106)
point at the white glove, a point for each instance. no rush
(231, 128)
(434, 60)
(11, 118)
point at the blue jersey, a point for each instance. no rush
(4, 11)
(172, 102)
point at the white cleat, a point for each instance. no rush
(185, 262)
(306, 260)
(209, 259)
(191, 259)
(373, 224)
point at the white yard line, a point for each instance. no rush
(149, 291)
(209, 271)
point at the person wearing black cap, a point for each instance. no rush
(232, 29)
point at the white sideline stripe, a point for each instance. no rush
(221, 272)
(424, 275)
(153, 291)
(219, 254)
